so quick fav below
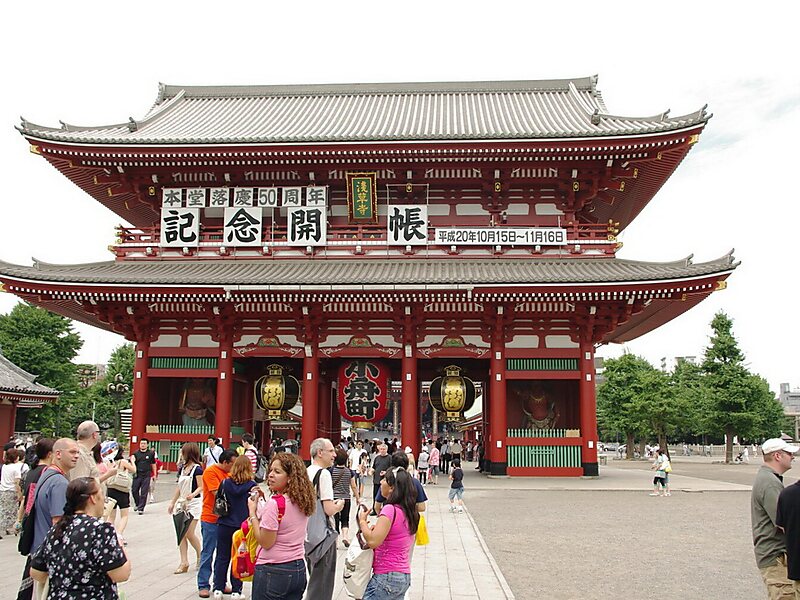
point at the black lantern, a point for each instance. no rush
(276, 393)
(453, 394)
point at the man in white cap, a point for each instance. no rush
(769, 542)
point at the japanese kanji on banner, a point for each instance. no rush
(407, 224)
(180, 227)
(362, 198)
(242, 227)
(363, 391)
(307, 226)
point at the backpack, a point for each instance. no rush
(25, 543)
(245, 548)
(262, 465)
(222, 507)
(320, 536)
(261, 469)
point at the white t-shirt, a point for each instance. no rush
(354, 456)
(325, 481)
(210, 455)
(11, 475)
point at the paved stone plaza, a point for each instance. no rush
(551, 538)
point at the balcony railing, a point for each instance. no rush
(371, 240)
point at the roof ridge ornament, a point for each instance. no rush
(132, 124)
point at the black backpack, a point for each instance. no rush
(222, 507)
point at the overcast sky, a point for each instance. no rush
(96, 63)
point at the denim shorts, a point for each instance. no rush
(285, 581)
(455, 493)
(387, 586)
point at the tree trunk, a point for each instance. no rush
(728, 445)
(662, 443)
(629, 446)
(642, 444)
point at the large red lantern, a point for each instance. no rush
(363, 395)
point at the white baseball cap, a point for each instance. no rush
(775, 444)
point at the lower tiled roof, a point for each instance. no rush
(323, 272)
(15, 380)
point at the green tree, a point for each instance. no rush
(44, 344)
(736, 401)
(619, 399)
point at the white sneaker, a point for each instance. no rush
(235, 596)
(653, 494)
(217, 595)
(461, 509)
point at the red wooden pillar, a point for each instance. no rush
(8, 419)
(141, 390)
(222, 424)
(310, 403)
(588, 408)
(498, 421)
(336, 418)
(246, 411)
(409, 401)
(324, 409)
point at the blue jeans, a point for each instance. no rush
(280, 581)
(209, 532)
(222, 561)
(387, 586)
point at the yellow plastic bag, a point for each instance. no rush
(422, 532)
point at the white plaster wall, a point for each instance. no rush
(524, 341)
(560, 341)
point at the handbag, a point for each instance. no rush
(122, 481)
(667, 467)
(320, 536)
(357, 566)
(222, 507)
(422, 538)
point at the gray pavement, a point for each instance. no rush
(544, 538)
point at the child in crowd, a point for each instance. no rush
(456, 487)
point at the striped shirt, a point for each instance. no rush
(252, 454)
(341, 482)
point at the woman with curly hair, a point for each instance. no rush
(392, 537)
(81, 553)
(281, 530)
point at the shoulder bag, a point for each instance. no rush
(122, 481)
(320, 536)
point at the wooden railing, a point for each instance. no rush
(584, 239)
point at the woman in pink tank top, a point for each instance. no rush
(392, 537)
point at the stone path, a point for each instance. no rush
(456, 563)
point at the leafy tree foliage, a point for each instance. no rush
(44, 344)
(737, 402)
(719, 396)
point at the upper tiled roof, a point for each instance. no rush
(303, 273)
(564, 108)
(16, 380)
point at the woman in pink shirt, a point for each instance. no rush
(281, 530)
(433, 461)
(392, 537)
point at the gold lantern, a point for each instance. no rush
(276, 393)
(453, 394)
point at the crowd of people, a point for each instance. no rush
(74, 499)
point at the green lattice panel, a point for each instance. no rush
(542, 364)
(537, 433)
(183, 362)
(543, 456)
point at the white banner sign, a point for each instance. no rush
(501, 236)
(242, 197)
(242, 227)
(307, 226)
(180, 227)
(407, 225)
